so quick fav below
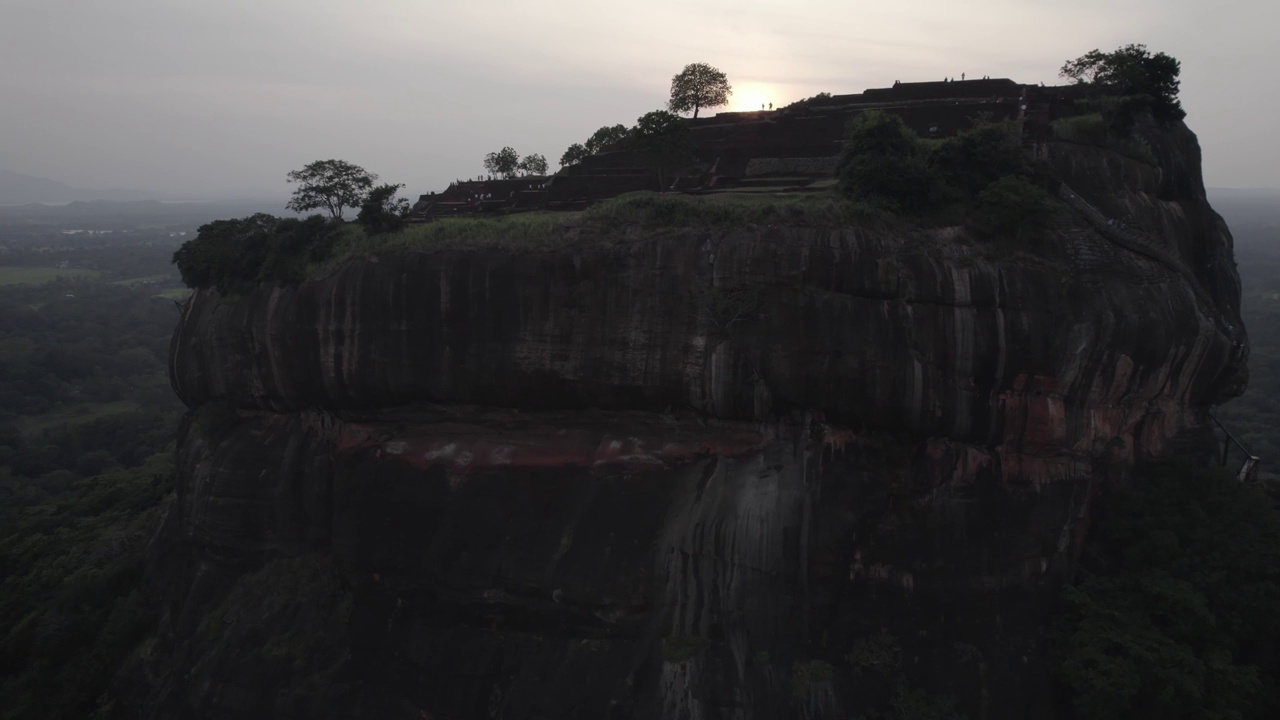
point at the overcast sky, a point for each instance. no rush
(223, 97)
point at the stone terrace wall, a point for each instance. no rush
(1002, 87)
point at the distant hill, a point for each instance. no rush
(19, 189)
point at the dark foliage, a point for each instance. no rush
(1012, 209)
(504, 162)
(606, 137)
(981, 175)
(235, 255)
(979, 156)
(1176, 614)
(884, 161)
(1149, 81)
(663, 141)
(71, 599)
(383, 212)
(86, 443)
(575, 154)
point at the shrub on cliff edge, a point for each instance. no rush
(979, 156)
(884, 161)
(235, 255)
(1132, 71)
(1012, 209)
(382, 211)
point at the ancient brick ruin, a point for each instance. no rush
(792, 149)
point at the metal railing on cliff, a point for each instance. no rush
(1248, 470)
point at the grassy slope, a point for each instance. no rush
(547, 230)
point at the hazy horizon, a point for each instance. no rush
(197, 99)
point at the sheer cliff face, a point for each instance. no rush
(688, 473)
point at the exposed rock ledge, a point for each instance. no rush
(683, 474)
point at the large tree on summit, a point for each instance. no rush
(505, 162)
(1132, 71)
(329, 185)
(697, 86)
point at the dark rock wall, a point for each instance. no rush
(895, 333)
(687, 474)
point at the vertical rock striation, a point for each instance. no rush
(751, 472)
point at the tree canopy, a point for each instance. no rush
(505, 162)
(329, 185)
(699, 85)
(574, 155)
(884, 160)
(604, 137)
(533, 164)
(662, 140)
(599, 140)
(1174, 615)
(235, 255)
(1132, 71)
(382, 211)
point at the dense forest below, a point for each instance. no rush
(87, 423)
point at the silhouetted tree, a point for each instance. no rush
(662, 140)
(226, 254)
(699, 85)
(505, 162)
(884, 160)
(1132, 71)
(574, 155)
(329, 185)
(382, 211)
(534, 164)
(604, 137)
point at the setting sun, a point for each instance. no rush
(752, 96)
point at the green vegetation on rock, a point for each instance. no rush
(1175, 615)
(679, 649)
(1148, 82)
(234, 256)
(382, 211)
(884, 161)
(808, 674)
(1093, 129)
(981, 177)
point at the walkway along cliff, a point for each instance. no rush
(742, 472)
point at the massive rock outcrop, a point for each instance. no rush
(748, 472)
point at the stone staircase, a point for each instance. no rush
(1140, 243)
